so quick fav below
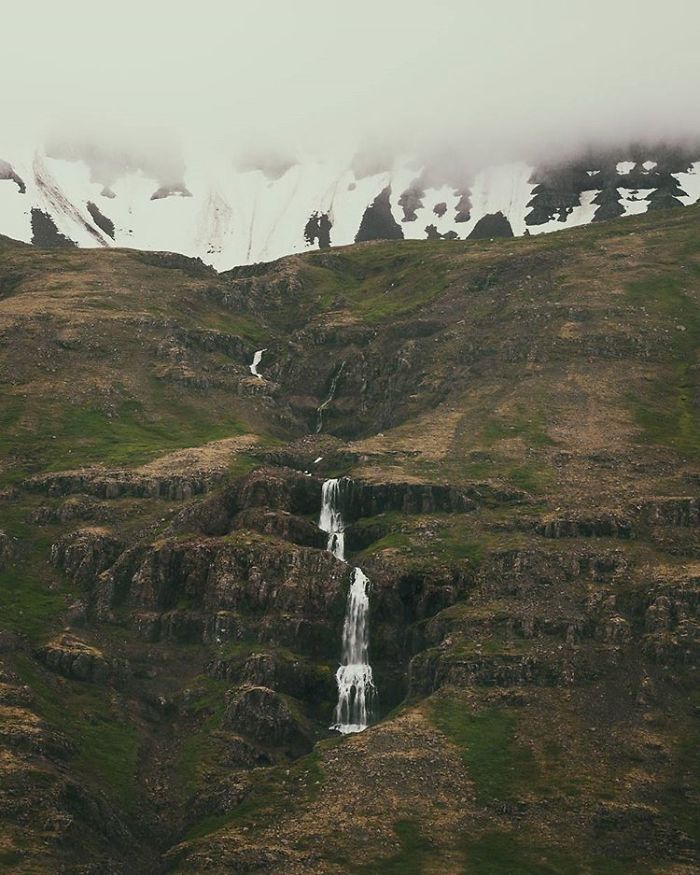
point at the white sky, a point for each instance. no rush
(504, 75)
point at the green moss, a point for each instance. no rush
(381, 282)
(496, 853)
(60, 437)
(676, 802)
(392, 541)
(242, 464)
(206, 705)
(527, 424)
(499, 766)
(667, 411)
(106, 746)
(533, 477)
(26, 604)
(415, 850)
(269, 797)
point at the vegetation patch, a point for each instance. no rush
(500, 767)
(65, 436)
(496, 853)
(269, 797)
(668, 412)
(439, 537)
(26, 604)
(528, 425)
(106, 747)
(414, 851)
(381, 282)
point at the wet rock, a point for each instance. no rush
(318, 229)
(609, 205)
(103, 223)
(365, 499)
(45, 234)
(268, 717)
(279, 671)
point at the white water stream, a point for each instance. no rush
(257, 358)
(331, 396)
(354, 676)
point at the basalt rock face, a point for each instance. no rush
(117, 484)
(681, 511)
(72, 658)
(278, 489)
(378, 223)
(370, 499)
(45, 234)
(209, 589)
(609, 526)
(267, 717)
(281, 524)
(492, 225)
(85, 553)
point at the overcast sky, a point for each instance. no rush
(504, 75)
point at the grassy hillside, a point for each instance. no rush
(521, 421)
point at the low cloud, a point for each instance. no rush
(467, 81)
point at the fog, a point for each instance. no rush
(274, 79)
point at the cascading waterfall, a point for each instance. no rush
(257, 358)
(354, 677)
(331, 396)
(331, 520)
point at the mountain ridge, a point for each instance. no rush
(229, 216)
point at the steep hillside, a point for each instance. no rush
(516, 428)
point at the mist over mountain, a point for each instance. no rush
(495, 82)
(263, 123)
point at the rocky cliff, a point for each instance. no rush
(515, 430)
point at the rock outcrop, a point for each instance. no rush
(73, 658)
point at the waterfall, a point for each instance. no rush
(257, 358)
(331, 396)
(354, 676)
(331, 521)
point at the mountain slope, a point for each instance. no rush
(229, 216)
(518, 421)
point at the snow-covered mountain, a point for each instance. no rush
(229, 216)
